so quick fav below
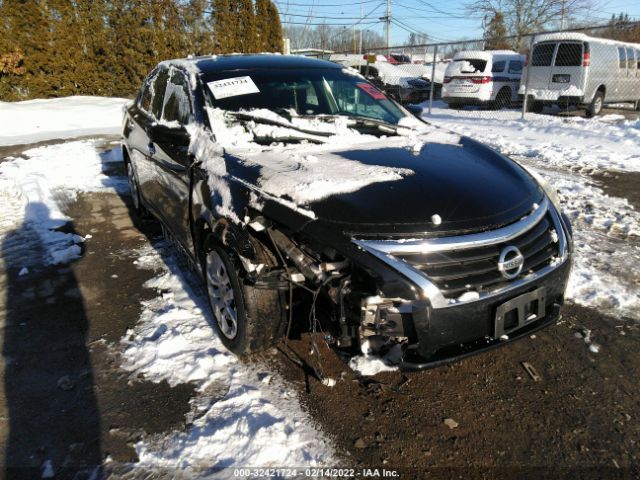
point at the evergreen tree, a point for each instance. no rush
(262, 25)
(246, 27)
(27, 28)
(222, 16)
(275, 41)
(496, 33)
(200, 37)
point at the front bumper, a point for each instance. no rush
(448, 334)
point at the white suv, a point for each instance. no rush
(489, 78)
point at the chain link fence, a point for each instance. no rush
(588, 71)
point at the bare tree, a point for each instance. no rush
(522, 17)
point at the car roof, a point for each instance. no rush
(220, 63)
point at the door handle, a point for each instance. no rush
(152, 149)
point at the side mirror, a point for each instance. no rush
(169, 135)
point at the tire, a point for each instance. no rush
(638, 105)
(503, 99)
(535, 106)
(134, 188)
(595, 107)
(248, 319)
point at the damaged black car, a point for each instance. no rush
(285, 178)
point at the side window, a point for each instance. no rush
(159, 84)
(542, 55)
(145, 96)
(631, 62)
(515, 66)
(622, 57)
(569, 55)
(177, 105)
(498, 67)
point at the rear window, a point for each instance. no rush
(498, 67)
(569, 55)
(542, 55)
(470, 65)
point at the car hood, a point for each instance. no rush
(389, 187)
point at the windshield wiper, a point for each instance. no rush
(359, 121)
(256, 117)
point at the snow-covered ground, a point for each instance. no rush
(38, 120)
(242, 415)
(565, 151)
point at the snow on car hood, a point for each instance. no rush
(301, 173)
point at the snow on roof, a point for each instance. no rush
(483, 54)
(582, 37)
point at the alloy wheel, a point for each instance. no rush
(221, 295)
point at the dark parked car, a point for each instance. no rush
(289, 180)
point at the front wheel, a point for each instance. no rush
(134, 189)
(595, 107)
(248, 319)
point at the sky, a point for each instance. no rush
(442, 20)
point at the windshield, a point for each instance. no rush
(303, 92)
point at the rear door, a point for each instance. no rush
(171, 157)
(514, 73)
(568, 71)
(540, 66)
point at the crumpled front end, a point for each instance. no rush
(473, 291)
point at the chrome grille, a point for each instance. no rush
(476, 269)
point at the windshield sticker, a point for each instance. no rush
(372, 91)
(232, 87)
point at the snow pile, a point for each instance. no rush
(242, 416)
(314, 175)
(370, 363)
(38, 120)
(602, 143)
(38, 185)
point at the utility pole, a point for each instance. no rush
(360, 46)
(388, 19)
(562, 26)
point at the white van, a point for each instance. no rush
(489, 78)
(574, 69)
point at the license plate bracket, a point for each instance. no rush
(519, 312)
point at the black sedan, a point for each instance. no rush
(307, 198)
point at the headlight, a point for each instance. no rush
(551, 192)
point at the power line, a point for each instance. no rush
(328, 24)
(313, 5)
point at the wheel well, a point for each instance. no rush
(602, 89)
(125, 155)
(505, 89)
(201, 232)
